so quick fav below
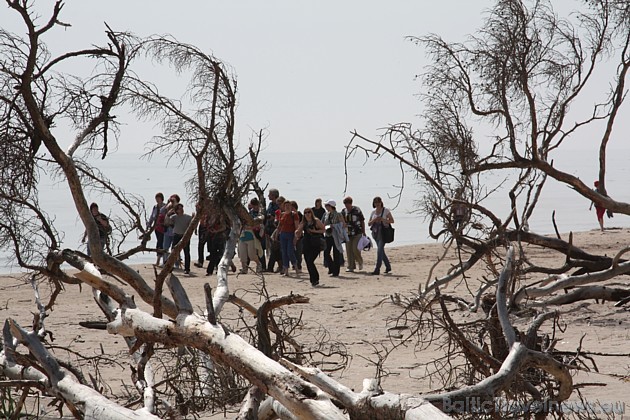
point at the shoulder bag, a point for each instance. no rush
(387, 231)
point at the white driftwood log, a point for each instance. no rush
(83, 400)
(371, 402)
(502, 308)
(572, 281)
(300, 397)
(222, 291)
(146, 387)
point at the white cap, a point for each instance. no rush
(331, 203)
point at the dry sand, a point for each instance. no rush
(357, 310)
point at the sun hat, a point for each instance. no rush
(331, 203)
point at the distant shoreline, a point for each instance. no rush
(394, 247)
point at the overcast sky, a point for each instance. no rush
(308, 72)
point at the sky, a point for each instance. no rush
(308, 73)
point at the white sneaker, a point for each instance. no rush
(349, 270)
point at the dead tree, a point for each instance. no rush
(501, 105)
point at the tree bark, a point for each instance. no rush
(301, 398)
(80, 398)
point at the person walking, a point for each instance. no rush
(599, 211)
(271, 225)
(202, 240)
(259, 231)
(104, 228)
(156, 223)
(273, 239)
(181, 221)
(318, 210)
(287, 226)
(247, 249)
(299, 251)
(311, 230)
(459, 215)
(334, 235)
(216, 230)
(166, 214)
(355, 223)
(380, 217)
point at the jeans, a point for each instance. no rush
(160, 240)
(176, 239)
(381, 257)
(287, 248)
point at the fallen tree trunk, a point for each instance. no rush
(371, 402)
(303, 399)
(595, 262)
(571, 281)
(602, 293)
(83, 401)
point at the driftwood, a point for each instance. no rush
(598, 293)
(295, 391)
(565, 282)
(82, 400)
(371, 402)
(520, 356)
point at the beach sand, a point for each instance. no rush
(363, 314)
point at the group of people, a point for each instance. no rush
(170, 223)
(281, 235)
(285, 236)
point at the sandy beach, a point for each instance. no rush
(363, 314)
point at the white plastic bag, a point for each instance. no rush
(364, 244)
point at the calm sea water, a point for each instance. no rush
(305, 176)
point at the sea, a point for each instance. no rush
(305, 176)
